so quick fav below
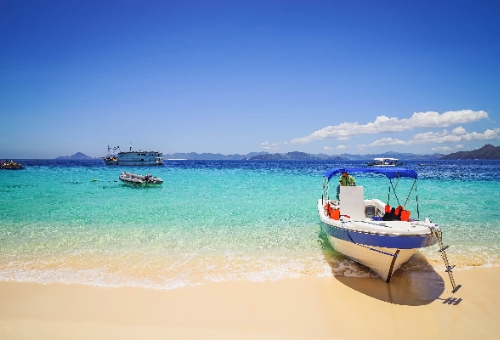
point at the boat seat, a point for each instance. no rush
(352, 202)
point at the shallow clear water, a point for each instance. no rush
(75, 222)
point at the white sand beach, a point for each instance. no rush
(415, 305)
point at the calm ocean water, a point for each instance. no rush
(75, 222)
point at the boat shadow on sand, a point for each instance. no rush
(416, 283)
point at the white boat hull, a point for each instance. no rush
(376, 258)
(139, 179)
(383, 246)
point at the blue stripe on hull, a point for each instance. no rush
(379, 240)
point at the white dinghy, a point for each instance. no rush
(370, 231)
(139, 179)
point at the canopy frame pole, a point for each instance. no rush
(416, 199)
(325, 194)
(409, 194)
(394, 190)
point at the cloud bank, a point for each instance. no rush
(382, 124)
(457, 135)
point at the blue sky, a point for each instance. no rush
(236, 77)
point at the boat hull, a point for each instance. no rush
(125, 163)
(381, 260)
(382, 246)
(135, 179)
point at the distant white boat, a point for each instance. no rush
(133, 158)
(139, 179)
(385, 162)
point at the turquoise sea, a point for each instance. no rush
(210, 221)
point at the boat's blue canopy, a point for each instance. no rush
(390, 172)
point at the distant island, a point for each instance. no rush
(76, 156)
(210, 156)
(486, 152)
(261, 156)
(294, 155)
(297, 155)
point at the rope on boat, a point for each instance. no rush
(394, 256)
(362, 245)
(368, 222)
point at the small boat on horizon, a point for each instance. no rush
(386, 161)
(10, 165)
(372, 232)
(139, 179)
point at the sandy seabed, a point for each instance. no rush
(414, 305)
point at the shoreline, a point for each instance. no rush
(414, 305)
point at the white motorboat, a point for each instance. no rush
(386, 161)
(139, 179)
(134, 158)
(372, 233)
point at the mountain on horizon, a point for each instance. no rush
(406, 156)
(263, 155)
(296, 155)
(488, 151)
(76, 156)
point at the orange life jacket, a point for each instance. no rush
(405, 215)
(332, 213)
(335, 214)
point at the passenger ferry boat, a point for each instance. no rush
(135, 158)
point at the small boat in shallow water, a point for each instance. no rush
(139, 179)
(370, 231)
(10, 165)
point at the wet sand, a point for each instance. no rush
(415, 305)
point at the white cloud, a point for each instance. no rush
(270, 146)
(327, 148)
(265, 145)
(447, 148)
(382, 124)
(458, 134)
(442, 149)
(387, 141)
(341, 147)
